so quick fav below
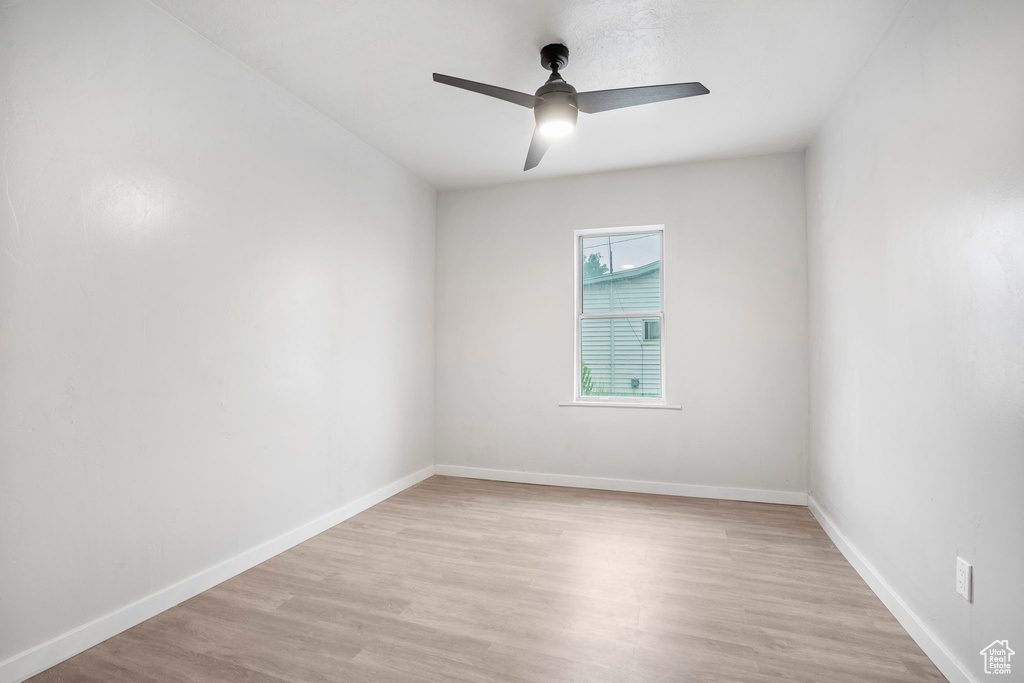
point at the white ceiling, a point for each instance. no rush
(774, 68)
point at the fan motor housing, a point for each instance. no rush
(558, 101)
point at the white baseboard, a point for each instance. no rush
(951, 667)
(39, 658)
(630, 485)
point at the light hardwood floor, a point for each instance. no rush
(463, 580)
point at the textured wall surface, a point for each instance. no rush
(735, 329)
(216, 312)
(916, 245)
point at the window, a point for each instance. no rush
(619, 315)
(652, 330)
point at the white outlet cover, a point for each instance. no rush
(964, 578)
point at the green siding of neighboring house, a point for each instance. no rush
(623, 338)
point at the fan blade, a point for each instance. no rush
(513, 96)
(603, 100)
(538, 145)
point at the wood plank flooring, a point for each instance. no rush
(463, 580)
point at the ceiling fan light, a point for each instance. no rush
(556, 128)
(555, 119)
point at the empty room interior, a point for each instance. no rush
(512, 341)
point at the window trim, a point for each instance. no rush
(579, 316)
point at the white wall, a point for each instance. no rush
(916, 245)
(216, 312)
(736, 335)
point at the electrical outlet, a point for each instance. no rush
(964, 577)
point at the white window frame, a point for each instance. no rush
(579, 316)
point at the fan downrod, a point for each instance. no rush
(554, 57)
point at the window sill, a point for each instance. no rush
(612, 404)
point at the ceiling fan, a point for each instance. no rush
(556, 103)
